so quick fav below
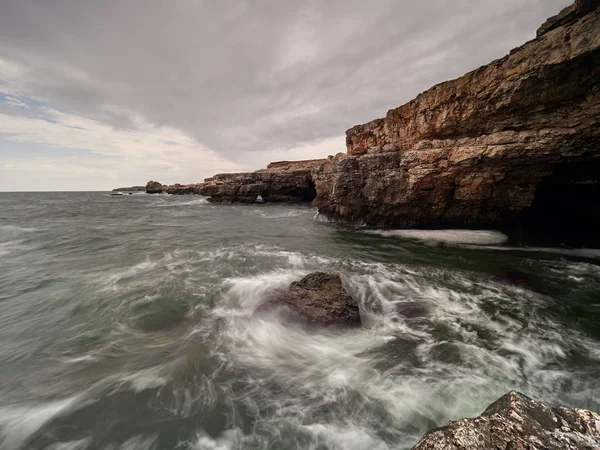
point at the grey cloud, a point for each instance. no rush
(245, 76)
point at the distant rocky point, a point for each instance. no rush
(130, 189)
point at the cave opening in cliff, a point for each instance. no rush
(567, 201)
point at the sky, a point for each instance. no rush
(98, 94)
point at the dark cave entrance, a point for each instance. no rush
(567, 203)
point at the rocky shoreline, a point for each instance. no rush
(513, 143)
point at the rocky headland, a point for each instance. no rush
(515, 142)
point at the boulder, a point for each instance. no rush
(517, 422)
(154, 187)
(317, 299)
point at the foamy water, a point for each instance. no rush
(127, 324)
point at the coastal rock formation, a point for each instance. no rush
(318, 299)
(154, 187)
(517, 422)
(283, 181)
(516, 142)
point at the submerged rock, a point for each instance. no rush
(517, 422)
(319, 299)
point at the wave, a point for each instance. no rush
(177, 203)
(591, 253)
(19, 423)
(475, 237)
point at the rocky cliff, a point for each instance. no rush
(513, 142)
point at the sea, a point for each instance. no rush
(128, 322)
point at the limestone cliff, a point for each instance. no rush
(516, 141)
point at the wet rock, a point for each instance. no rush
(318, 299)
(154, 187)
(513, 277)
(517, 422)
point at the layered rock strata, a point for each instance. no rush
(517, 422)
(481, 149)
(513, 142)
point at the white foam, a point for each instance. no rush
(592, 253)
(80, 444)
(19, 422)
(475, 237)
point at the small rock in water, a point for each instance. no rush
(517, 422)
(320, 299)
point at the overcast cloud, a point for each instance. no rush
(100, 93)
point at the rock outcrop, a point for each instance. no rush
(517, 422)
(154, 187)
(283, 181)
(317, 299)
(516, 142)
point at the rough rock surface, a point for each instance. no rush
(515, 141)
(154, 187)
(283, 181)
(318, 299)
(516, 422)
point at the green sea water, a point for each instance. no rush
(128, 323)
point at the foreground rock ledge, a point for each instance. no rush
(317, 299)
(517, 422)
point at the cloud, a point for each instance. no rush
(69, 152)
(247, 77)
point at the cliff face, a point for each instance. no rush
(516, 141)
(480, 149)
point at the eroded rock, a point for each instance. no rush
(317, 299)
(517, 422)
